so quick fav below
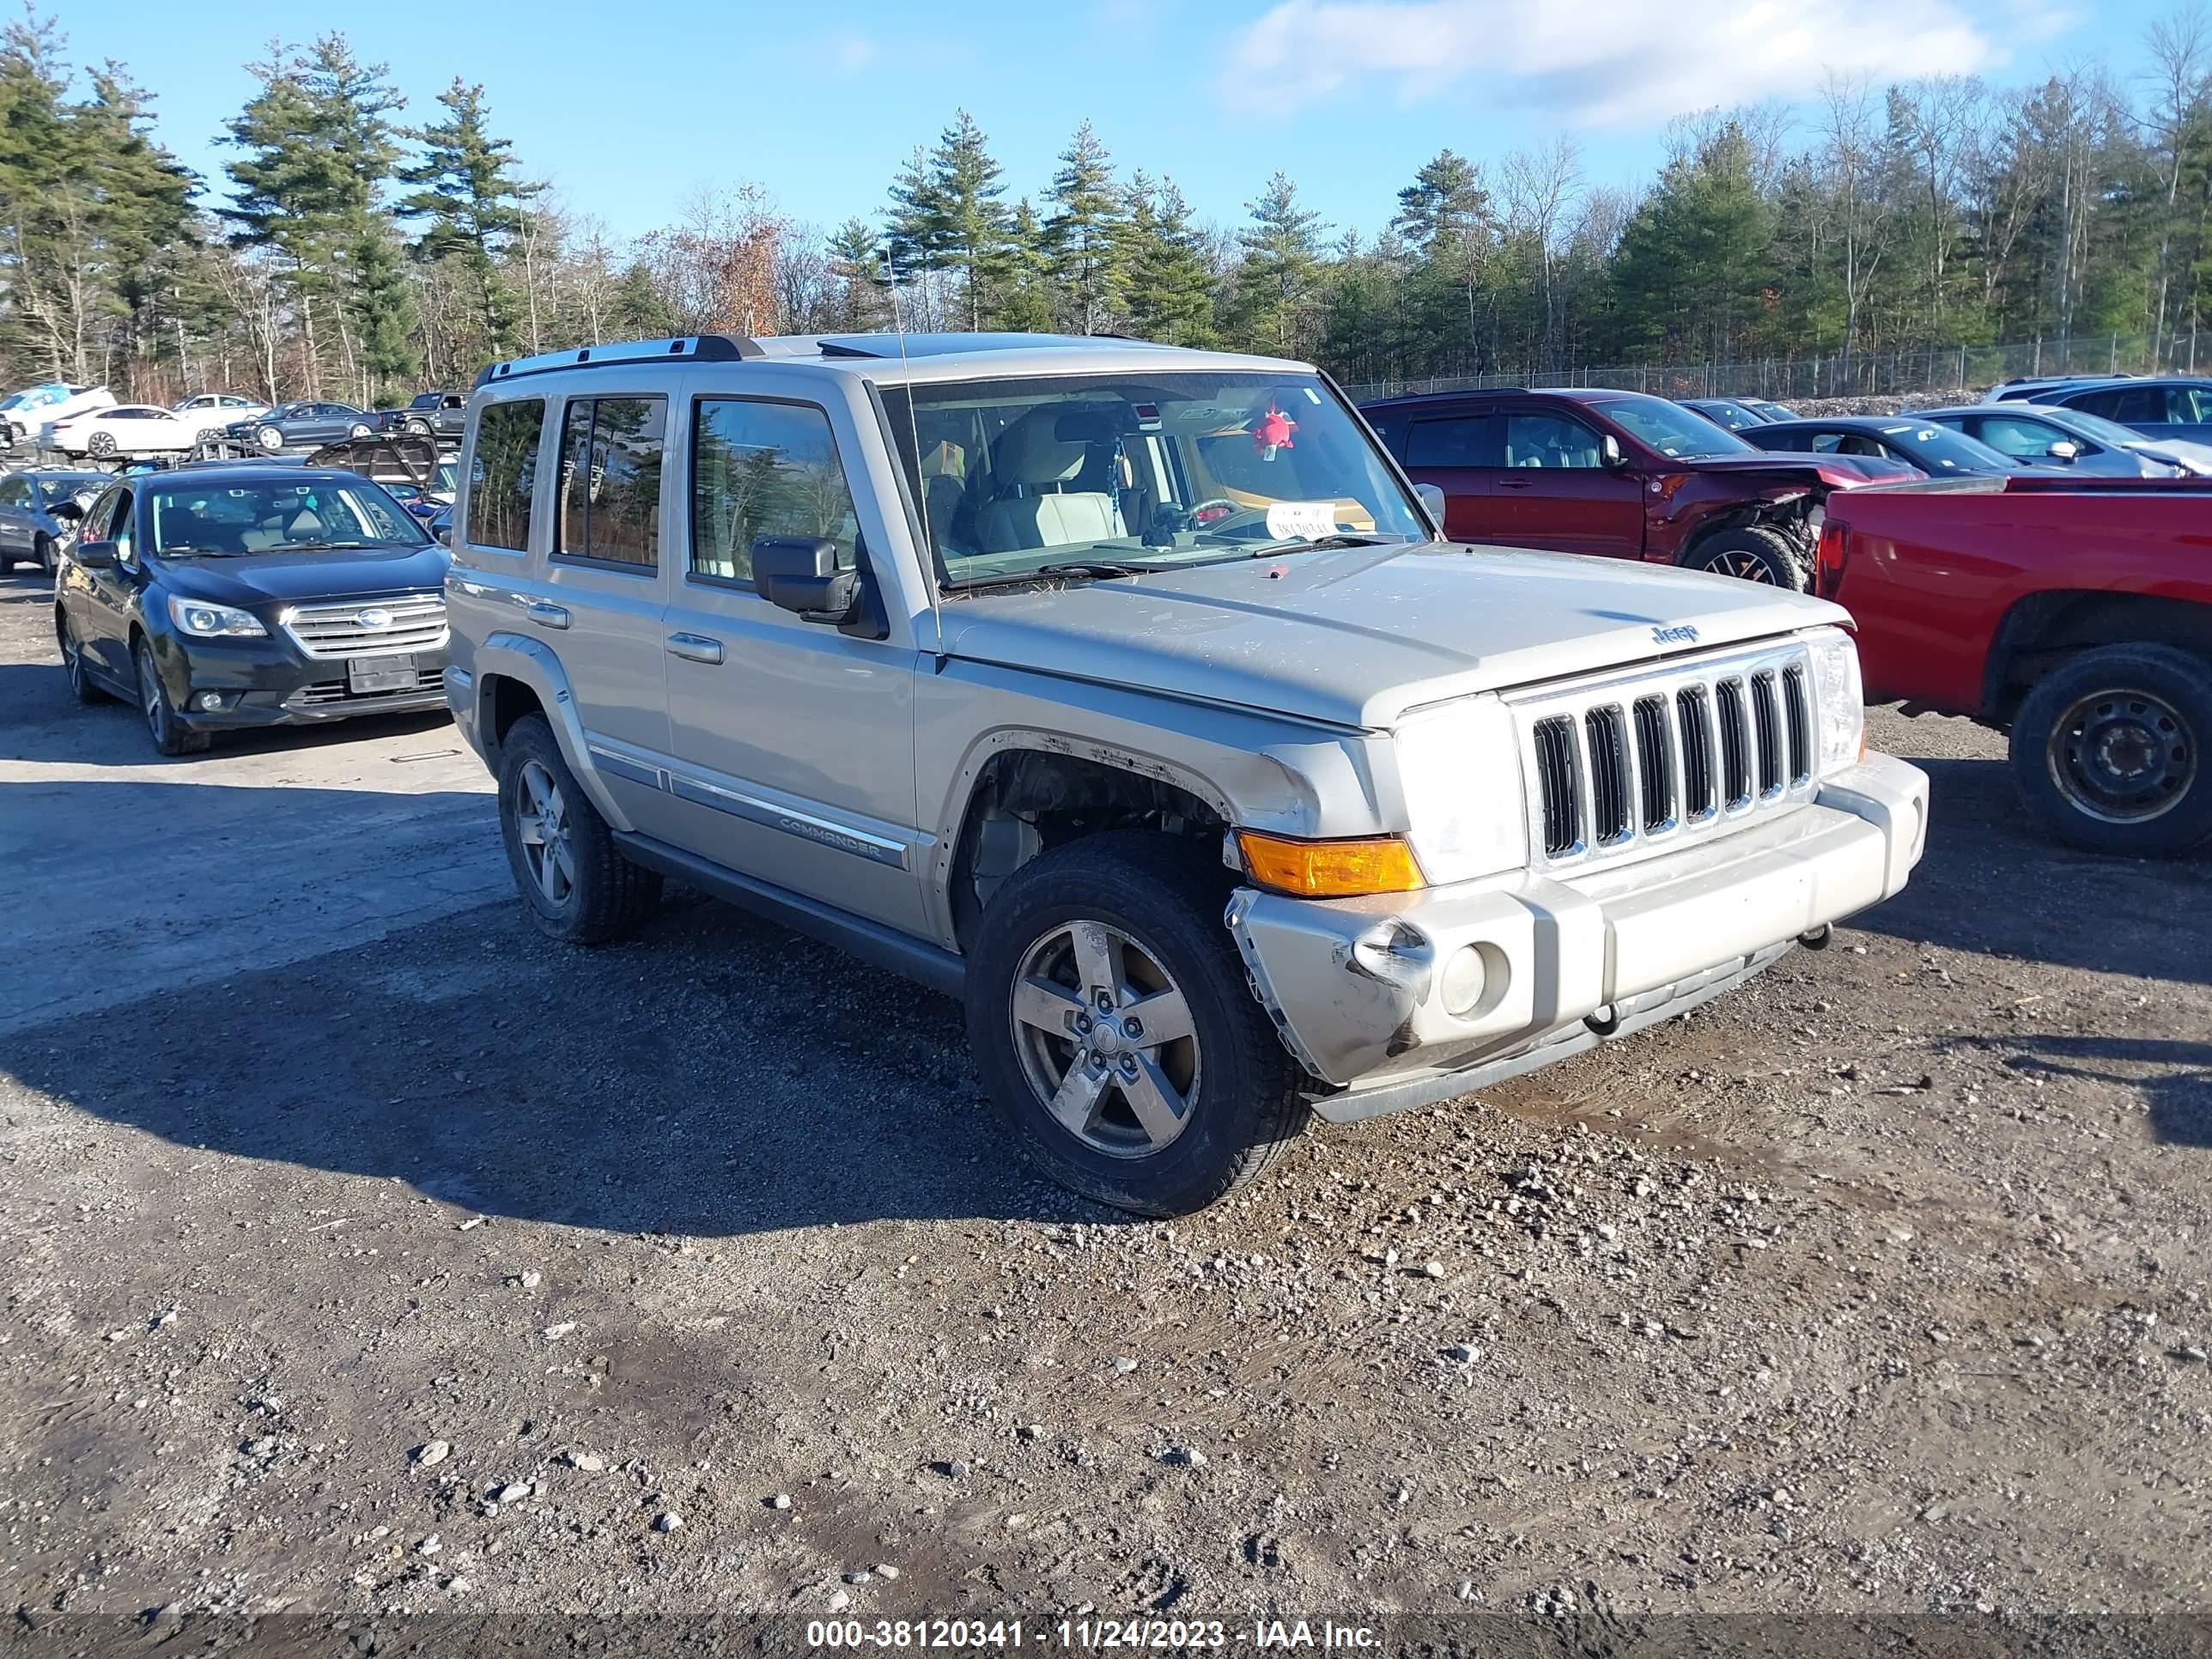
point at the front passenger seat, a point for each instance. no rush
(1029, 456)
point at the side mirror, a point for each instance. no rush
(1609, 448)
(1432, 503)
(94, 556)
(444, 532)
(799, 574)
(68, 512)
(2064, 449)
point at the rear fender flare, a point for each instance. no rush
(533, 663)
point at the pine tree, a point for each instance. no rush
(383, 304)
(945, 214)
(1083, 235)
(1274, 280)
(474, 206)
(1170, 285)
(856, 261)
(1026, 302)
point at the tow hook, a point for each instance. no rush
(1604, 1022)
(1818, 938)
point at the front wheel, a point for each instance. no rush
(1112, 1023)
(2108, 749)
(43, 547)
(169, 736)
(100, 445)
(579, 888)
(1752, 553)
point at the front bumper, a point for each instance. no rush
(1355, 985)
(267, 683)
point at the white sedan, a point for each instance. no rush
(126, 429)
(211, 409)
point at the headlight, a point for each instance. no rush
(1459, 770)
(1842, 700)
(213, 622)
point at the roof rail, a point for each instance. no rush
(691, 347)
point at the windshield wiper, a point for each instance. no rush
(1090, 568)
(1322, 543)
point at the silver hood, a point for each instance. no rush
(1357, 636)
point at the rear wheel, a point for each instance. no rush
(169, 736)
(1752, 553)
(101, 444)
(1112, 1023)
(579, 886)
(81, 684)
(359, 429)
(2108, 749)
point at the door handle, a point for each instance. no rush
(694, 647)
(548, 615)
(1514, 484)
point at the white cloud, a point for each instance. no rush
(850, 51)
(1603, 62)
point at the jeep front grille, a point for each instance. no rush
(412, 621)
(1631, 761)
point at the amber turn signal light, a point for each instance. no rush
(1329, 869)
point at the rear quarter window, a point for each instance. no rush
(503, 474)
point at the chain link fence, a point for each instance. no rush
(1942, 370)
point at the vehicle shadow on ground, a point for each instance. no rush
(717, 1077)
(41, 721)
(1992, 883)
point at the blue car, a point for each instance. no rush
(1936, 450)
(2163, 406)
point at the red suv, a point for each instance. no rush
(1618, 473)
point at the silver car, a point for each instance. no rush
(29, 532)
(2072, 441)
(1129, 695)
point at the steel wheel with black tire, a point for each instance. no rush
(2109, 750)
(169, 736)
(81, 684)
(1115, 1029)
(579, 886)
(1752, 553)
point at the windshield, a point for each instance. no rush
(72, 487)
(2103, 431)
(1939, 449)
(1670, 428)
(239, 519)
(1140, 471)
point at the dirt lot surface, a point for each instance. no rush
(364, 1252)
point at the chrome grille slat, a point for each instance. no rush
(322, 693)
(335, 632)
(1686, 750)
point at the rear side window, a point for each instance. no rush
(2135, 405)
(503, 474)
(763, 469)
(610, 464)
(1462, 440)
(1550, 441)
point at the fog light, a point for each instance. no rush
(1462, 980)
(208, 700)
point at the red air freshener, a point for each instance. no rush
(1272, 433)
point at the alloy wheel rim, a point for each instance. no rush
(1106, 1039)
(541, 824)
(2121, 756)
(1745, 567)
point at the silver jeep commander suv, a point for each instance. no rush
(1129, 695)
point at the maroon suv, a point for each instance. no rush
(1618, 473)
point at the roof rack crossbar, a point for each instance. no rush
(696, 348)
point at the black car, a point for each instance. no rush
(28, 527)
(301, 423)
(1936, 450)
(1739, 414)
(221, 597)
(432, 415)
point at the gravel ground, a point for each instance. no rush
(451, 1268)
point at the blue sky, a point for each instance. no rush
(629, 108)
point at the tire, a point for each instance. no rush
(43, 549)
(81, 685)
(358, 430)
(546, 820)
(100, 445)
(419, 429)
(269, 438)
(1237, 1086)
(170, 737)
(2112, 750)
(1754, 553)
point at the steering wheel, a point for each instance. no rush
(1235, 519)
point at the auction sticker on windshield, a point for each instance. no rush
(1303, 519)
